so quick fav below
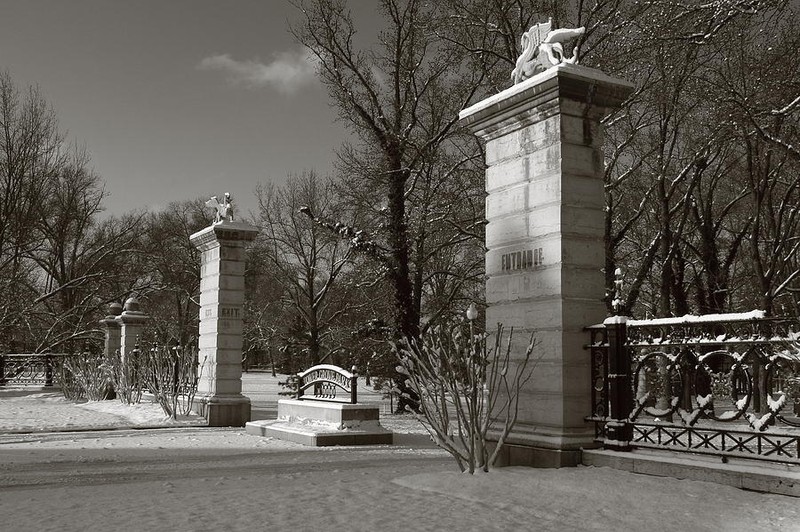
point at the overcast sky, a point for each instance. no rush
(176, 99)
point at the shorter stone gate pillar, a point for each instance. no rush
(131, 324)
(113, 340)
(219, 390)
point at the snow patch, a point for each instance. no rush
(691, 318)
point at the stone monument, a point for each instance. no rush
(316, 417)
(545, 236)
(222, 246)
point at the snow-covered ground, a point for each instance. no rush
(196, 478)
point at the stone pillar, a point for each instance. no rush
(131, 323)
(113, 340)
(545, 241)
(219, 391)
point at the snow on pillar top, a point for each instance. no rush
(500, 114)
(223, 231)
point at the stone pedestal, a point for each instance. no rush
(219, 391)
(545, 240)
(131, 324)
(321, 423)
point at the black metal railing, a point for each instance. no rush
(721, 386)
(29, 369)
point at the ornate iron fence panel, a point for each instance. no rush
(729, 386)
(719, 441)
(28, 369)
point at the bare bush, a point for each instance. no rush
(171, 375)
(70, 387)
(126, 376)
(466, 389)
(85, 376)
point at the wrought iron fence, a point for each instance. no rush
(29, 369)
(727, 386)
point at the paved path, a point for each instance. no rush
(198, 479)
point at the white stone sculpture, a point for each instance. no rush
(542, 48)
(224, 210)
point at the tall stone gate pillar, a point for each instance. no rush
(219, 391)
(545, 241)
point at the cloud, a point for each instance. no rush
(287, 72)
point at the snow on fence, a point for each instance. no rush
(727, 384)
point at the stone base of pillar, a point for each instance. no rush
(524, 447)
(519, 455)
(223, 411)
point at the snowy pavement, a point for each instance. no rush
(196, 478)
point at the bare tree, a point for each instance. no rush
(169, 269)
(57, 260)
(30, 145)
(759, 87)
(401, 99)
(667, 147)
(307, 261)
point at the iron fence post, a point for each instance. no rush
(2, 370)
(48, 370)
(354, 386)
(175, 372)
(619, 430)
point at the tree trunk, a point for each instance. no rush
(407, 319)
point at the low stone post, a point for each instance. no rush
(131, 323)
(112, 330)
(219, 390)
(619, 430)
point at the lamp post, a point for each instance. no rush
(472, 315)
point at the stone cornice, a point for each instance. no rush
(224, 231)
(542, 94)
(132, 317)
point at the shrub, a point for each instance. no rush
(171, 375)
(85, 376)
(466, 389)
(126, 375)
(70, 387)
